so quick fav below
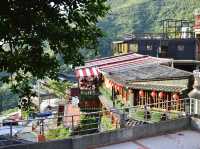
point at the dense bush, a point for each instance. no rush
(88, 125)
(59, 133)
(106, 123)
(8, 100)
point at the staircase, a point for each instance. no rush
(132, 122)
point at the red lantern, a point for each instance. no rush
(161, 94)
(115, 86)
(118, 88)
(153, 93)
(175, 96)
(141, 93)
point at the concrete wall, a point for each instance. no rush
(112, 137)
(61, 144)
(148, 130)
(195, 123)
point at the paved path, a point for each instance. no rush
(180, 140)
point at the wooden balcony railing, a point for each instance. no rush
(89, 94)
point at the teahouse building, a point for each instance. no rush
(155, 85)
(135, 79)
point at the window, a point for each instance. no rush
(149, 47)
(163, 50)
(133, 47)
(180, 47)
(198, 35)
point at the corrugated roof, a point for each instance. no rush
(130, 58)
(147, 72)
(132, 76)
(132, 63)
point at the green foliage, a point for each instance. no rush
(56, 134)
(106, 92)
(88, 124)
(27, 107)
(8, 99)
(88, 97)
(156, 116)
(142, 16)
(119, 104)
(25, 114)
(106, 123)
(22, 86)
(34, 32)
(138, 114)
(9, 111)
(58, 88)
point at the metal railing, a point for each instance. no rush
(88, 94)
(145, 36)
(86, 123)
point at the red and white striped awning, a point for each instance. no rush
(87, 72)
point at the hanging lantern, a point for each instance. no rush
(118, 88)
(161, 94)
(141, 93)
(111, 83)
(121, 89)
(115, 86)
(175, 96)
(153, 94)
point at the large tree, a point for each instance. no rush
(34, 32)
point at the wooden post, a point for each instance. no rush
(11, 129)
(167, 102)
(72, 123)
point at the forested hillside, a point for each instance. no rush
(142, 16)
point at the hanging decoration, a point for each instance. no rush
(153, 94)
(175, 96)
(161, 94)
(115, 85)
(141, 93)
(118, 87)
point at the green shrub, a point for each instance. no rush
(88, 125)
(10, 111)
(106, 123)
(106, 92)
(56, 134)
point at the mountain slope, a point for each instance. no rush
(142, 16)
